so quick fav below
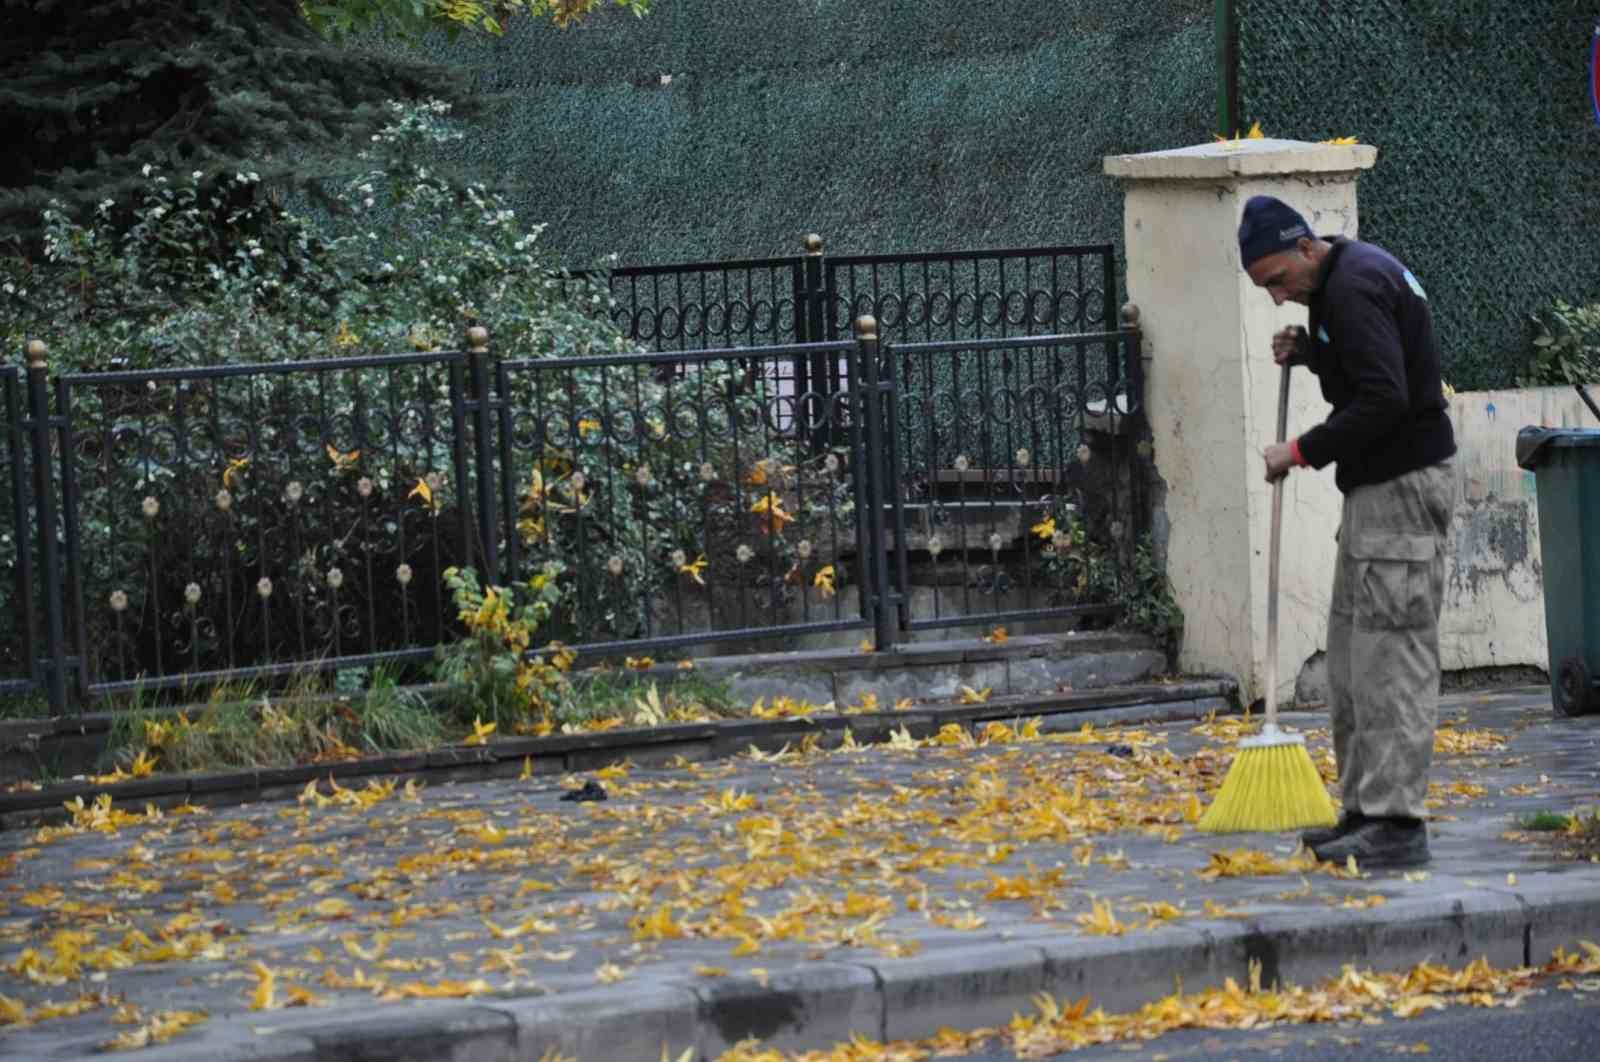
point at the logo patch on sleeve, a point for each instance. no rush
(1416, 285)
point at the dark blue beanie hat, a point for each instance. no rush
(1269, 226)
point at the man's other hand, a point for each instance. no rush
(1291, 346)
(1280, 458)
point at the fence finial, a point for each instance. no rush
(1130, 315)
(478, 339)
(813, 243)
(37, 353)
(866, 327)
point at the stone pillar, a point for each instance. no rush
(1212, 393)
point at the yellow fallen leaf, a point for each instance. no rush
(823, 580)
(866, 645)
(295, 996)
(1511, 879)
(161, 1027)
(263, 997)
(711, 971)
(527, 769)
(380, 944)
(1101, 921)
(972, 696)
(526, 926)
(609, 973)
(423, 491)
(480, 732)
(439, 990)
(334, 909)
(760, 974)
(903, 704)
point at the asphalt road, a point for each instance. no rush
(1554, 1026)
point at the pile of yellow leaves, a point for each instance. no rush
(1449, 739)
(1060, 1026)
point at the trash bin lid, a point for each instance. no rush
(1533, 442)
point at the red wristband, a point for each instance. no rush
(1294, 451)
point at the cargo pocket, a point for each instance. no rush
(1393, 581)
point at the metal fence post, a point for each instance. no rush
(1133, 377)
(44, 497)
(817, 376)
(484, 479)
(872, 470)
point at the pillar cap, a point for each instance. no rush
(1242, 158)
(37, 352)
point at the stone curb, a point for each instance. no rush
(566, 753)
(817, 1005)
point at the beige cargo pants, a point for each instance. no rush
(1383, 639)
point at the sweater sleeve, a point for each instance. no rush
(1375, 365)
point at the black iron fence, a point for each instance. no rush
(190, 526)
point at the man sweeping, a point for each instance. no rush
(1370, 342)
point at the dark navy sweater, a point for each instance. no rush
(1373, 350)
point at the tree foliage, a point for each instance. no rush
(219, 87)
(413, 18)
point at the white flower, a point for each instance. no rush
(264, 587)
(191, 593)
(365, 189)
(643, 476)
(367, 201)
(1083, 453)
(335, 578)
(962, 463)
(255, 252)
(196, 175)
(995, 541)
(364, 486)
(744, 553)
(402, 574)
(679, 558)
(224, 500)
(294, 491)
(1023, 457)
(707, 472)
(151, 507)
(803, 548)
(119, 601)
(254, 176)
(614, 565)
(146, 170)
(935, 545)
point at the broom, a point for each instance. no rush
(1272, 784)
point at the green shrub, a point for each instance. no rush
(1565, 347)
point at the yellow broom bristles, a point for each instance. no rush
(1270, 788)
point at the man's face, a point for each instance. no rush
(1288, 276)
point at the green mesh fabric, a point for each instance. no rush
(1488, 176)
(729, 128)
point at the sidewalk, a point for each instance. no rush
(886, 890)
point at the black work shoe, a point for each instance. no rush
(1323, 834)
(1379, 843)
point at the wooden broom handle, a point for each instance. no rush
(1273, 549)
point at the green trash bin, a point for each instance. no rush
(1566, 467)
